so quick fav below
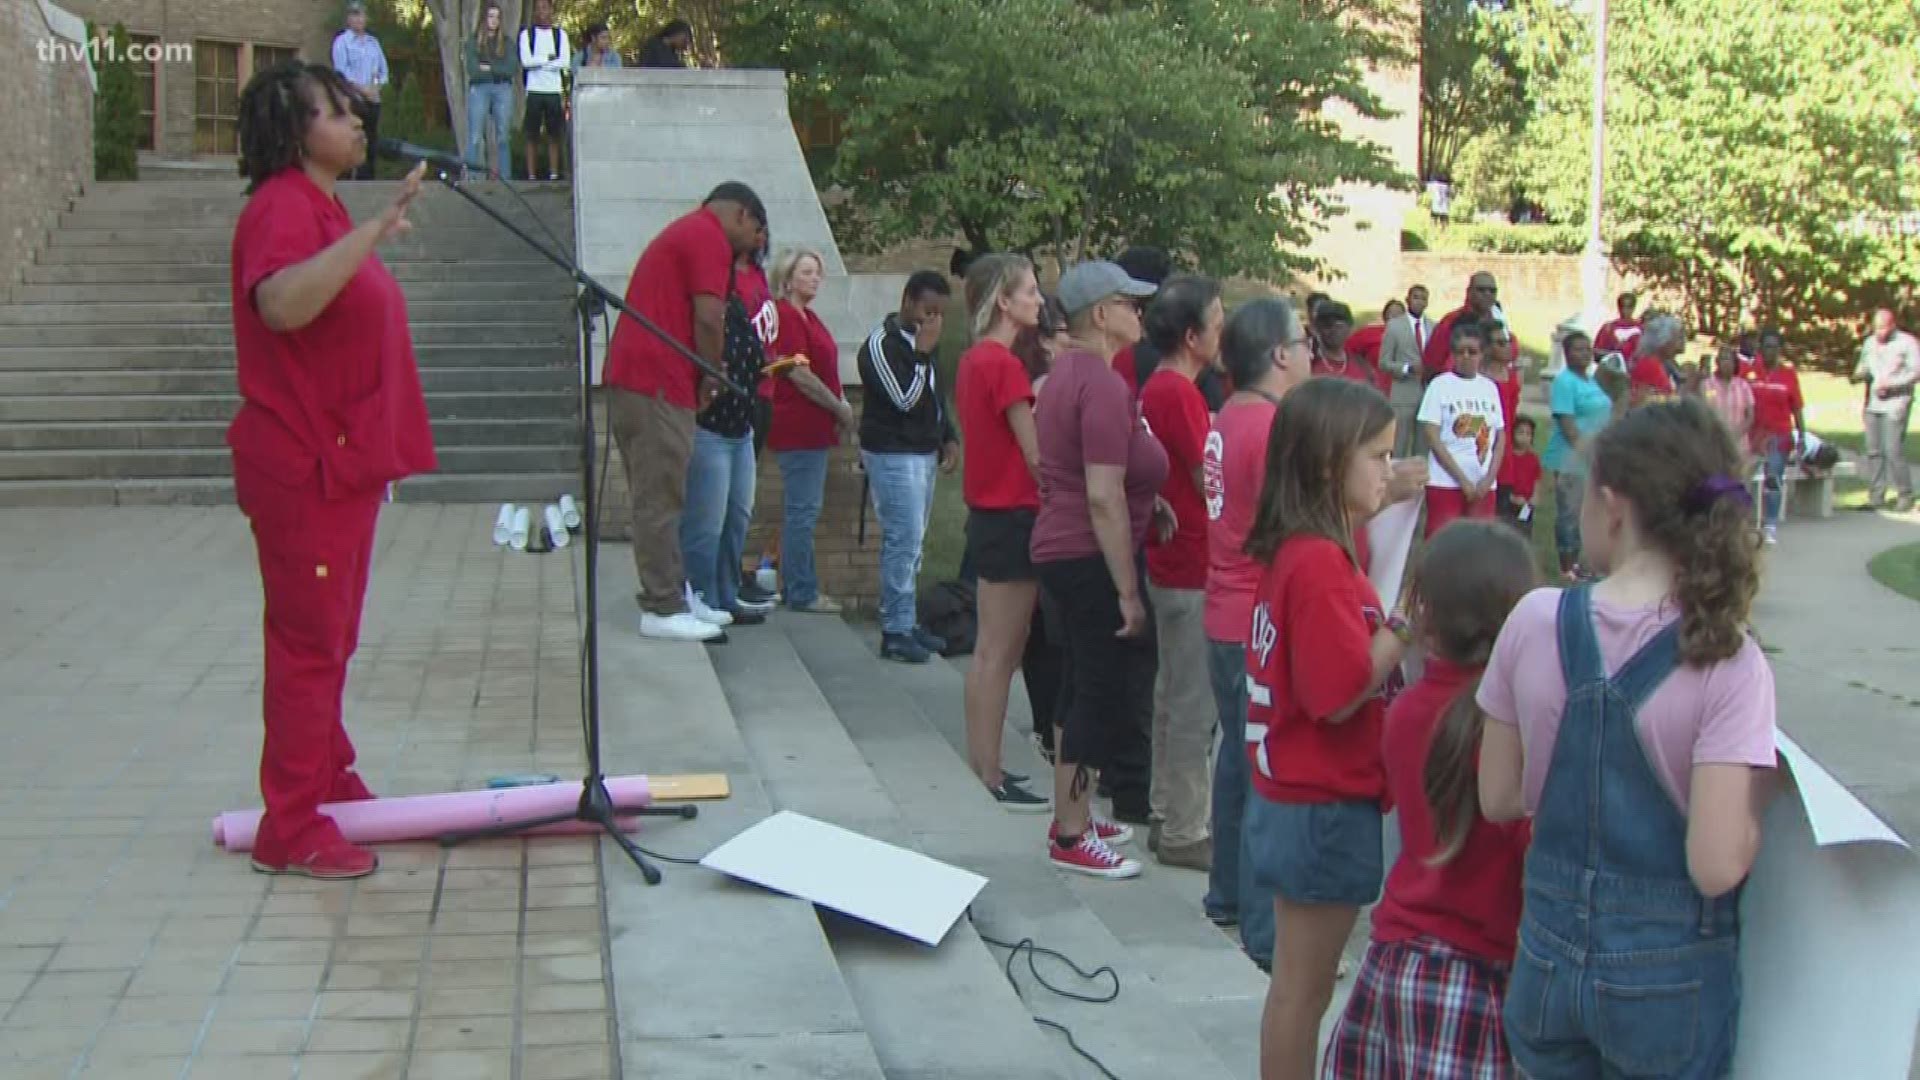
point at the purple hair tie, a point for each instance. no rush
(1713, 489)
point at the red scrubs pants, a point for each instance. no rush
(1444, 504)
(314, 557)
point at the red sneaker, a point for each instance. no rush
(1112, 832)
(348, 787)
(337, 861)
(1092, 856)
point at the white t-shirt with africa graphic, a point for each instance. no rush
(1467, 411)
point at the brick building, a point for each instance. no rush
(192, 57)
(47, 128)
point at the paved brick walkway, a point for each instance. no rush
(132, 947)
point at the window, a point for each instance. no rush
(216, 97)
(266, 56)
(146, 75)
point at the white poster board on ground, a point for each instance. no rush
(903, 891)
(1830, 938)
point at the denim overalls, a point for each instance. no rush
(1623, 968)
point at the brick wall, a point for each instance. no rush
(1549, 282)
(47, 130)
(849, 570)
(306, 25)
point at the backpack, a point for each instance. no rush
(946, 610)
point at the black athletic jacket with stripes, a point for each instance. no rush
(903, 412)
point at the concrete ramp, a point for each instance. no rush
(648, 144)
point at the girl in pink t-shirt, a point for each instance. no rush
(1634, 720)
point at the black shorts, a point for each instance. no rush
(1095, 704)
(548, 111)
(998, 541)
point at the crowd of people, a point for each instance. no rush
(1169, 508)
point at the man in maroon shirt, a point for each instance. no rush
(1483, 295)
(681, 284)
(1619, 335)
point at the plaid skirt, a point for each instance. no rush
(1421, 1010)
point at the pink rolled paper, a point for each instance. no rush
(425, 817)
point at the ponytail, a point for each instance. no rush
(1451, 778)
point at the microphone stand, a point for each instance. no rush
(596, 804)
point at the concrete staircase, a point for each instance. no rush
(718, 979)
(116, 348)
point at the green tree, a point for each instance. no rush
(1759, 157)
(116, 114)
(1473, 82)
(1059, 124)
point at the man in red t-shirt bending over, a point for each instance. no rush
(681, 284)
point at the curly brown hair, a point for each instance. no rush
(276, 109)
(1676, 464)
(1470, 576)
(1318, 428)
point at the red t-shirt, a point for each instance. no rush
(1438, 356)
(1176, 413)
(991, 381)
(1473, 901)
(1085, 417)
(1123, 366)
(1520, 473)
(799, 424)
(1776, 394)
(1651, 378)
(1509, 389)
(1308, 656)
(691, 257)
(756, 297)
(1236, 467)
(1357, 370)
(340, 395)
(1619, 335)
(1365, 342)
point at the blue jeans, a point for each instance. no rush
(1569, 491)
(489, 101)
(713, 528)
(803, 479)
(1230, 887)
(1773, 455)
(902, 486)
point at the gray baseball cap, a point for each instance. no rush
(1086, 284)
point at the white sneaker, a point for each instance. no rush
(1771, 534)
(681, 627)
(698, 606)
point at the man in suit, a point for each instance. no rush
(1400, 349)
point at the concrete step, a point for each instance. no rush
(755, 988)
(1190, 1000)
(134, 195)
(905, 991)
(199, 434)
(423, 246)
(220, 291)
(221, 358)
(218, 461)
(218, 490)
(220, 270)
(160, 406)
(547, 332)
(221, 381)
(459, 310)
(193, 232)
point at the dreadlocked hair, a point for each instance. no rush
(276, 109)
(1471, 574)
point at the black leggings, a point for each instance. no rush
(1106, 682)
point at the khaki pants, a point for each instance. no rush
(1408, 441)
(656, 442)
(1184, 714)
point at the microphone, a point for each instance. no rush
(440, 159)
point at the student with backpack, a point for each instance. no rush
(1634, 719)
(544, 55)
(1321, 651)
(1427, 1001)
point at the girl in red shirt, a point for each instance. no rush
(331, 413)
(993, 397)
(1428, 998)
(1320, 652)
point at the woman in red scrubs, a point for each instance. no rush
(331, 413)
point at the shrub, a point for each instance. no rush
(116, 114)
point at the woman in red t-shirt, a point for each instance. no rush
(1427, 1001)
(1320, 653)
(993, 397)
(331, 413)
(809, 420)
(1332, 333)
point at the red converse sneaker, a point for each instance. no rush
(337, 861)
(1111, 831)
(1092, 856)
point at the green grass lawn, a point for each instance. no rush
(1898, 569)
